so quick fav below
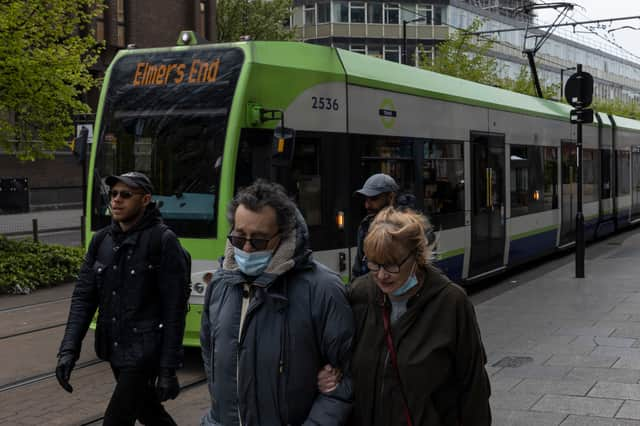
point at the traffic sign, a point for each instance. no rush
(581, 115)
(579, 89)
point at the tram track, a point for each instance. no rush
(33, 305)
(96, 420)
(35, 330)
(44, 376)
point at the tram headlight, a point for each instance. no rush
(199, 288)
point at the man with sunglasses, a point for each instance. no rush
(136, 273)
(379, 191)
(273, 317)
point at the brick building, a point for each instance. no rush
(144, 23)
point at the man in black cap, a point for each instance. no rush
(379, 192)
(136, 273)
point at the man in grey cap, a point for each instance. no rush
(136, 272)
(379, 192)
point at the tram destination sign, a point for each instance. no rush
(579, 89)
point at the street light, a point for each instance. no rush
(562, 70)
(405, 59)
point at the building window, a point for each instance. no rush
(357, 12)
(121, 39)
(391, 53)
(391, 13)
(374, 13)
(324, 12)
(358, 48)
(100, 28)
(310, 15)
(439, 15)
(443, 177)
(340, 11)
(374, 50)
(425, 55)
(425, 11)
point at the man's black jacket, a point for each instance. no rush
(142, 311)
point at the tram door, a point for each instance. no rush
(487, 203)
(569, 193)
(635, 182)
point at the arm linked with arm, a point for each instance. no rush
(335, 321)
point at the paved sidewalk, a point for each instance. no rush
(48, 220)
(566, 351)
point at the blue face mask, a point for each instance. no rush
(411, 282)
(254, 263)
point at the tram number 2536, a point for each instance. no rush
(330, 104)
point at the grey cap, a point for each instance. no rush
(378, 184)
(132, 180)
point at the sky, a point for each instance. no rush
(586, 10)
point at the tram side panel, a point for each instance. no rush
(533, 193)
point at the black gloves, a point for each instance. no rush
(167, 386)
(66, 362)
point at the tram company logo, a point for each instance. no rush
(388, 113)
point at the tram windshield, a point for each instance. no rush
(165, 115)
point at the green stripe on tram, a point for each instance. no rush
(451, 253)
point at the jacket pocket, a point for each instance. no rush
(146, 340)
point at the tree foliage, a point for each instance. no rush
(259, 19)
(523, 83)
(464, 56)
(46, 49)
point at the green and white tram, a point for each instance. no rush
(493, 170)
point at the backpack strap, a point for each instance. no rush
(98, 239)
(155, 244)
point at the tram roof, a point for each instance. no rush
(626, 123)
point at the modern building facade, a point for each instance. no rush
(376, 28)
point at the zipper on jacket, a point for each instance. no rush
(246, 298)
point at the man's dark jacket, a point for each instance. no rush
(440, 356)
(298, 319)
(142, 311)
(360, 265)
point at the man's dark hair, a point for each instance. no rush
(263, 193)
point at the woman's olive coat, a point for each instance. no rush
(440, 356)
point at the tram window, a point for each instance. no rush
(605, 169)
(443, 177)
(527, 180)
(590, 175)
(622, 159)
(550, 159)
(389, 155)
(307, 182)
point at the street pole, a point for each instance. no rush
(579, 215)
(404, 42)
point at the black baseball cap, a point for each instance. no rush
(132, 180)
(378, 184)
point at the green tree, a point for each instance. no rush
(465, 56)
(259, 19)
(523, 83)
(46, 49)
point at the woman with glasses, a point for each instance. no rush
(418, 358)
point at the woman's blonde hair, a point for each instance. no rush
(392, 228)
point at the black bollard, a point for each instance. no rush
(34, 223)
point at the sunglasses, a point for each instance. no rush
(256, 243)
(125, 195)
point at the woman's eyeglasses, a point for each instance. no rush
(392, 269)
(256, 243)
(125, 195)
